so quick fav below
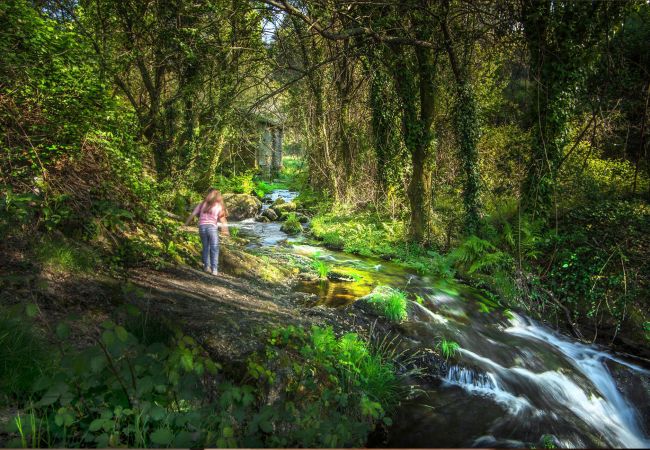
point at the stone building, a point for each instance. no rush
(268, 156)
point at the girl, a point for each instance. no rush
(210, 211)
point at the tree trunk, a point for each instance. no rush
(420, 193)
(467, 132)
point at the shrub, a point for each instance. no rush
(23, 355)
(292, 225)
(243, 183)
(124, 392)
(390, 303)
(338, 388)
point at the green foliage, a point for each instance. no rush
(548, 441)
(242, 183)
(123, 391)
(23, 354)
(292, 224)
(388, 302)
(337, 388)
(61, 254)
(449, 349)
(50, 91)
(476, 255)
(321, 268)
(366, 235)
(598, 275)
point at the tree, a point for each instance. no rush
(561, 37)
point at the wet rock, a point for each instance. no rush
(278, 201)
(270, 214)
(337, 276)
(241, 206)
(262, 218)
(302, 218)
(284, 207)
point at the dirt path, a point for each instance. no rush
(230, 315)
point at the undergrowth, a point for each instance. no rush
(141, 387)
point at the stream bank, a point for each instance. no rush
(513, 382)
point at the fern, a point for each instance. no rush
(477, 255)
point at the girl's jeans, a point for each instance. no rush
(210, 240)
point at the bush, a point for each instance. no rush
(124, 392)
(292, 225)
(23, 355)
(338, 388)
(388, 302)
(243, 183)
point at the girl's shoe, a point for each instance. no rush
(215, 272)
(206, 269)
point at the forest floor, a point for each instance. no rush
(230, 314)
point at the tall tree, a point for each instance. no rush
(561, 37)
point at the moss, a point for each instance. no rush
(292, 225)
(388, 302)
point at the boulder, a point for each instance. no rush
(270, 214)
(285, 207)
(291, 227)
(262, 219)
(241, 206)
(278, 201)
(302, 218)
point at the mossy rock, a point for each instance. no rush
(243, 264)
(270, 214)
(285, 207)
(241, 206)
(338, 276)
(291, 225)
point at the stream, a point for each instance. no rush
(515, 381)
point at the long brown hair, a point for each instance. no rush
(212, 198)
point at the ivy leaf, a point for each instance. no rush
(31, 310)
(162, 436)
(96, 425)
(121, 332)
(108, 337)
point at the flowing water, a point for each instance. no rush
(515, 381)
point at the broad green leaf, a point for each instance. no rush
(121, 333)
(162, 436)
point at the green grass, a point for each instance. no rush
(368, 234)
(59, 254)
(449, 349)
(24, 355)
(321, 268)
(390, 303)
